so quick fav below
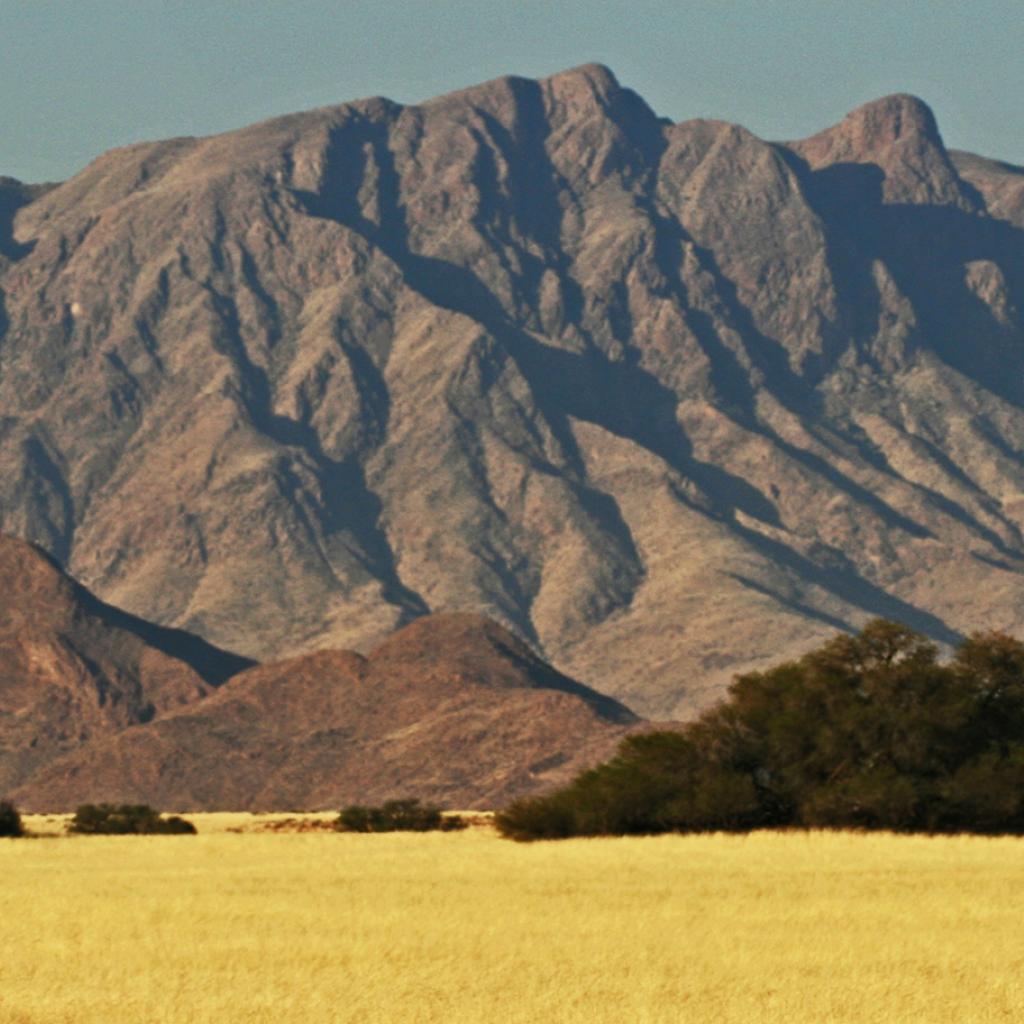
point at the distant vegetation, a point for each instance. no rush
(869, 731)
(126, 819)
(10, 820)
(397, 816)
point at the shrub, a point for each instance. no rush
(355, 818)
(396, 816)
(126, 819)
(173, 826)
(10, 820)
(540, 817)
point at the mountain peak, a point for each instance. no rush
(594, 77)
(899, 135)
(894, 118)
(890, 120)
(470, 647)
(579, 84)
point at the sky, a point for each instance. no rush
(78, 77)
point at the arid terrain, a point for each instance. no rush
(668, 400)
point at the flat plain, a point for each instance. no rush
(245, 923)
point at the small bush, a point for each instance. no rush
(396, 816)
(174, 826)
(406, 816)
(126, 819)
(10, 820)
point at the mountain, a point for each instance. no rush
(668, 400)
(96, 705)
(1000, 185)
(73, 669)
(452, 709)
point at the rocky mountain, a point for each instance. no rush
(452, 709)
(73, 669)
(668, 400)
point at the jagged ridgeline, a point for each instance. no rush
(671, 401)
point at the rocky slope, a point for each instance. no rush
(73, 669)
(452, 709)
(669, 400)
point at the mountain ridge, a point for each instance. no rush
(624, 385)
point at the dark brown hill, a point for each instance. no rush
(452, 709)
(670, 400)
(73, 669)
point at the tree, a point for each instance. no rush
(126, 819)
(10, 820)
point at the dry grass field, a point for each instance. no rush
(274, 926)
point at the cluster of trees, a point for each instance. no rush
(397, 816)
(140, 819)
(126, 819)
(868, 731)
(105, 819)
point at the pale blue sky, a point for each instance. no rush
(80, 76)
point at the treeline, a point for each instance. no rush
(869, 731)
(126, 819)
(406, 815)
(104, 819)
(401, 815)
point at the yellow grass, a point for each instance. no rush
(229, 927)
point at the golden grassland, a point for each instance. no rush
(241, 923)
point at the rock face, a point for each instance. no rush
(670, 401)
(1000, 185)
(73, 669)
(452, 709)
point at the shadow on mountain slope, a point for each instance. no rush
(619, 396)
(862, 228)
